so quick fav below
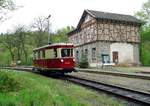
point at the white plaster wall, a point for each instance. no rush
(125, 52)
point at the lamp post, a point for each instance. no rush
(48, 29)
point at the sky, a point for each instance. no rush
(65, 12)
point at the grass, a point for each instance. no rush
(37, 90)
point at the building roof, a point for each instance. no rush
(113, 16)
(107, 16)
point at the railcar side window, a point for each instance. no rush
(38, 54)
(66, 52)
(43, 54)
(55, 52)
(71, 50)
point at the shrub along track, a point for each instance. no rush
(138, 97)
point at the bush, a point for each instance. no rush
(84, 62)
(7, 82)
(145, 48)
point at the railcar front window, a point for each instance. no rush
(67, 52)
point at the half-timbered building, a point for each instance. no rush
(107, 38)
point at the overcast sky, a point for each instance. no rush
(66, 12)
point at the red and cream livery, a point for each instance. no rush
(55, 58)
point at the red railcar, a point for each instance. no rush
(54, 58)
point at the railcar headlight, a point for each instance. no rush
(73, 59)
(62, 60)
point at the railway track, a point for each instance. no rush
(135, 96)
(138, 97)
(139, 76)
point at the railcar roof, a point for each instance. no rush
(54, 45)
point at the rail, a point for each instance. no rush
(130, 94)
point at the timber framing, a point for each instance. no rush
(101, 26)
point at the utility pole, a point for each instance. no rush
(48, 29)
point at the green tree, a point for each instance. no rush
(61, 35)
(7, 40)
(144, 15)
(20, 41)
(16, 43)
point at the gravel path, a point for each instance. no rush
(138, 84)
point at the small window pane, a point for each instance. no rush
(55, 52)
(86, 52)
(67, 52)
(93, 53)
(38, 54)
(43, 54)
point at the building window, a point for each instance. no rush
(77, 55)
(93, 54)
(82, 52)
(86, 52)
(105, 58)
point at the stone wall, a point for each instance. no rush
(127, 53)
(101, 48)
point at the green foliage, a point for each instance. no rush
(144, 13)
(83, 63)
(4, 57)
(43, 91)
(145, 48)
(61, 35)
(59, 38)
(19, 45)
(7, 82)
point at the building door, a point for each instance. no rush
(115, 57)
